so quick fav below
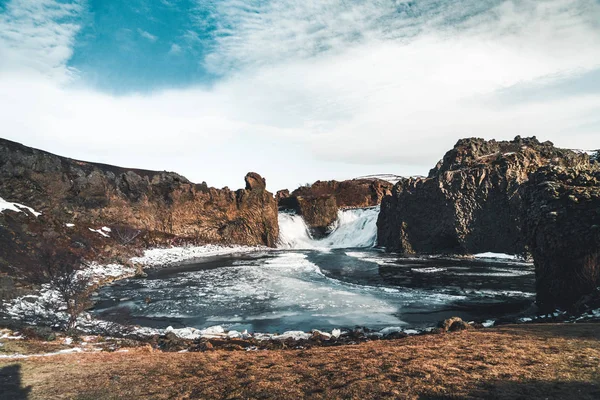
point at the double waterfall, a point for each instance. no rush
(356, 228)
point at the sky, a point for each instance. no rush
(296, 90)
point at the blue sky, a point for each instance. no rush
(295, 90)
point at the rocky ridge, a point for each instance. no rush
(162, 207)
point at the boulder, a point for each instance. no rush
(454, 324)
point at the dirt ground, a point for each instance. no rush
(560, 361)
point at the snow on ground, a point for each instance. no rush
(6, 205)
(392, 178)
(504, 258)
(100, 231)
(7, 334)
(47, 307)
(57, 353)
(499, 256)
(166, 257)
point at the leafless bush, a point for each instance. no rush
(125, 234)
(61, 268)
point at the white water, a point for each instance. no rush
(355, 228)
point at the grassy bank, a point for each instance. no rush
(525, 361)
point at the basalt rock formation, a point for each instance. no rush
(471, 202)
(319, 203)
(562, 226)
(159, 204)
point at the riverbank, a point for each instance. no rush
(525, 361)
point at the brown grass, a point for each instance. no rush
(511, 362)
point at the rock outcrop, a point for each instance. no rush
(354, 193)
(562, 226)
(471, 202)
(161, 204)
(319, 203)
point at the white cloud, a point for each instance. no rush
(175, 49)
(147, 35)
(362, 94)
(39, 35)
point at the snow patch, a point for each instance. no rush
(390, 330)
(100, 231)
(47, 306)
(69, 225)
(392, 178)
(166, 257)
(57, 353)
(499, 256)
(489, 323)
(9, 335)
(16, 207)
(428, 270)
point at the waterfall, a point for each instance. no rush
(356, 228)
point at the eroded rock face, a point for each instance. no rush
(355, 193)
(318, 212)
(562, 225)
(95, 195)
(255, 182)
(471, 201)
(282, 194)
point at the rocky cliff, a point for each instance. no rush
(159, 204)
(471, 202)
(319, 203)
(562, 227)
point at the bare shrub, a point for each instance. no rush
(61, 267)
(124, 234)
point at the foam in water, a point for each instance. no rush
(356, 228)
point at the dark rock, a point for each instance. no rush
(562, 223)
(171, 342)
(396, 335)
(471, 201)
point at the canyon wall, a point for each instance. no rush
(159, 204)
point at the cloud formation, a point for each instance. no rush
(318, 90)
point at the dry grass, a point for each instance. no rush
(527, 361)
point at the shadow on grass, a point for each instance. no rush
(569, 331)
(10, 384)
(505, 390)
